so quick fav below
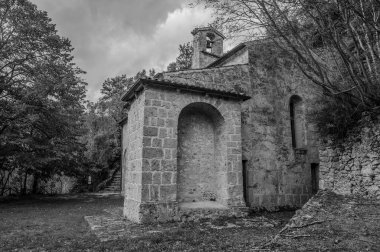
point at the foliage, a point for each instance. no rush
(103, 137)
(335, 43)
(41, 95)
(184, 59)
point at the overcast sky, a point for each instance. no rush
(114, 37)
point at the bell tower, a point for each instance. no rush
(208, 46)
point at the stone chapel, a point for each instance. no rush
(228, 135)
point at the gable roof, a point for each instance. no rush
(227, 55)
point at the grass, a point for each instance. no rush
(57, 224)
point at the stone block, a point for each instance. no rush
(156, 165)
(170, 123)
(145, 193)
(156, 142)
(153, 121)
(146, 178)
(156, 103)
(166, 105)
(166, 177)
(170, 143)
(160, 122)
(151, 111)
(154, 192)
(168, 192)
(171, 114)
(162, 113)
(168, 165)
(147, 102)
(145, 165)
(150, 94)
(152, 153)
(150, 131)
(162, 133)
(147, 142)
(156, 180)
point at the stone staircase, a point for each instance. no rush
(115, 184)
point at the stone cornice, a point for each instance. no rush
(140, 84)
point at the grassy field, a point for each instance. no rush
(328, 222)
(57, 224)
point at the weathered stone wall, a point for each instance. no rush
(241, 57)
(132, 158)
(152, 160)
(201, 155)
(352, 166)
(278, 175)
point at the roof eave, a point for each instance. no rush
(141, 83)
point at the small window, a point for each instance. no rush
(297, 122)
(314, 178)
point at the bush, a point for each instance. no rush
(335, 117)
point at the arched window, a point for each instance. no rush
(297, 121)
(210, 41)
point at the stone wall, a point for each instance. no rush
(132, 158)
(200, 174)
(152, 141)
(352, 166)
(278, 174)
(241, 57)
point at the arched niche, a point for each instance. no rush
(201, 164)
(297, 122)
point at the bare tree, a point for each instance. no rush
(335, 43)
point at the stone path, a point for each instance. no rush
(112, 225)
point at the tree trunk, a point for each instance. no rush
(23, 189)
(35, 184)
(4, 186)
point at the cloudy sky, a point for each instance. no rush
(113, 37)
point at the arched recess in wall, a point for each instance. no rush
(201, 164)
(297, 121)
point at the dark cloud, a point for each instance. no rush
(114, 37)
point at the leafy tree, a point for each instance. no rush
(335, 43)
(172, 67)
(184, 58)
(41, 94)
(102, 123)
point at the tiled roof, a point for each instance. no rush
(167, 84)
